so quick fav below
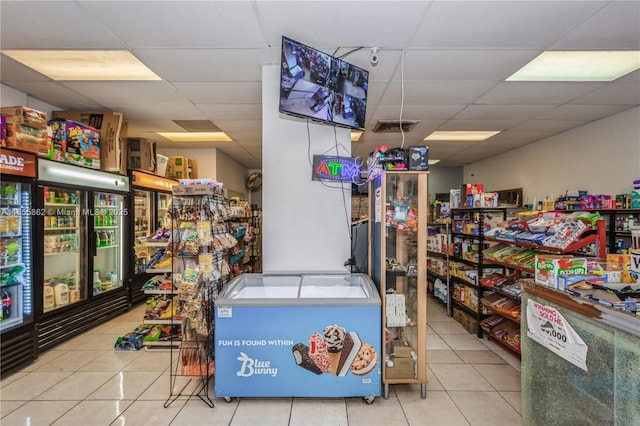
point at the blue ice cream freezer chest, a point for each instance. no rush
(305, 335)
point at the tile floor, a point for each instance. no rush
(85, 382)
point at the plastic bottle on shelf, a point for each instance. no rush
(98, 240)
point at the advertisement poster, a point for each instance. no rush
(285, 351)
(549, 328)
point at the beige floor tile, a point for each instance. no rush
(272, 411)
(119, 328)
(381, 412)
(125, 385)
(435, 342)
(490, 344)
(485, 408)
(44, 358)
(442, 356)
(7, 407)
(433, 315)
(447, 327)
(93, 413)
(151, 361)
(37, 413)
(98, 342)
(33, 384)
(111, 360)
(501, 377)
(312, 412)
(76, 387)
(70, 361)
(436, 409)
(514, 399)
(460, 377)
(196, 412)
(479, 357)
(13, 377)
(184, 386)
(510, 358)
(432, 384)
(463, 342)
(148, 413)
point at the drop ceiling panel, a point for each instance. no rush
(213, 64)
(501, 112)
(486, 124)
(494, 24)
(231, 111)
(239, 125)
(162, 110)
(432, 112)
(330, 24)
(222, 92)
(57, 95)
(536, 93)
(155, 125)
(580, 112)
(547, 127)
(57, 25)
(127, 92)
(180, 24)
(616, 26)
(612, 94)
(434, 93)
(11, 71)
(464, 65)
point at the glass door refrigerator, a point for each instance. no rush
(17, 182)
(150, 206)
(82, 267)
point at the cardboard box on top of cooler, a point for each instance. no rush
(548, 267)
(25, 129)
(109, 124)
(75, 143)
(182, 168)
(141, 154)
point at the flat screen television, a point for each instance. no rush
(320, 87)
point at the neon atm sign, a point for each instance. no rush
(337, 169)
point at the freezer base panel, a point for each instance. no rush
(51, 331)
(18, 349)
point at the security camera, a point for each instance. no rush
(374, 56)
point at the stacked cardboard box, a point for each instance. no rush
(403, 362)
(25, 129)
(76, 143)
(182, 168)
(112, 153)
(142, 154)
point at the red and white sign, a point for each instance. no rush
(17, 163)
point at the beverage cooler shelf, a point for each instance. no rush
(62, 228)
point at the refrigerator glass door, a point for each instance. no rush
(16, 307)
(64, 247)
(142, 213)
(108, 220)
(162, 219)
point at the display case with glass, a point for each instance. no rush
(64, 259)
(398, 259)
(108, 226)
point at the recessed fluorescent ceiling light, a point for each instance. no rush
(84, 65)
(196, 136)
(355, 136)
(579, 66)
(432, 162)
(462, 135)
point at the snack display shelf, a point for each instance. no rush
(157, 243)
(465, 307)
(437, 254)
(159, 271)
(472, 263)
(161, 321)
(502, 293)
(464, 282)
(164, 343)
(585, 241)
(499, 312)
(470, 236)
(430, 274)
(514, 266)
(157, 291)
(501, 342)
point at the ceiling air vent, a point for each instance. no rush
(393, 126)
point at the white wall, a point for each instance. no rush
(231, 173)
(442, 179)
(602, 157)
(305, 225)
(12, 97)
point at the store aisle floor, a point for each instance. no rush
(86, 382)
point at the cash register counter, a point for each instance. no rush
(580, 361)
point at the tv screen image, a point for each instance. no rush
(316, 85)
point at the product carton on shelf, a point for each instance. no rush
(82, 142)
(3, 131)
(401, 349)
(403, 368)
(26, 116)
(109, 124)
(27, 138)
(161, 164)
(548, 267)
(142, 154)
(182, 168)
